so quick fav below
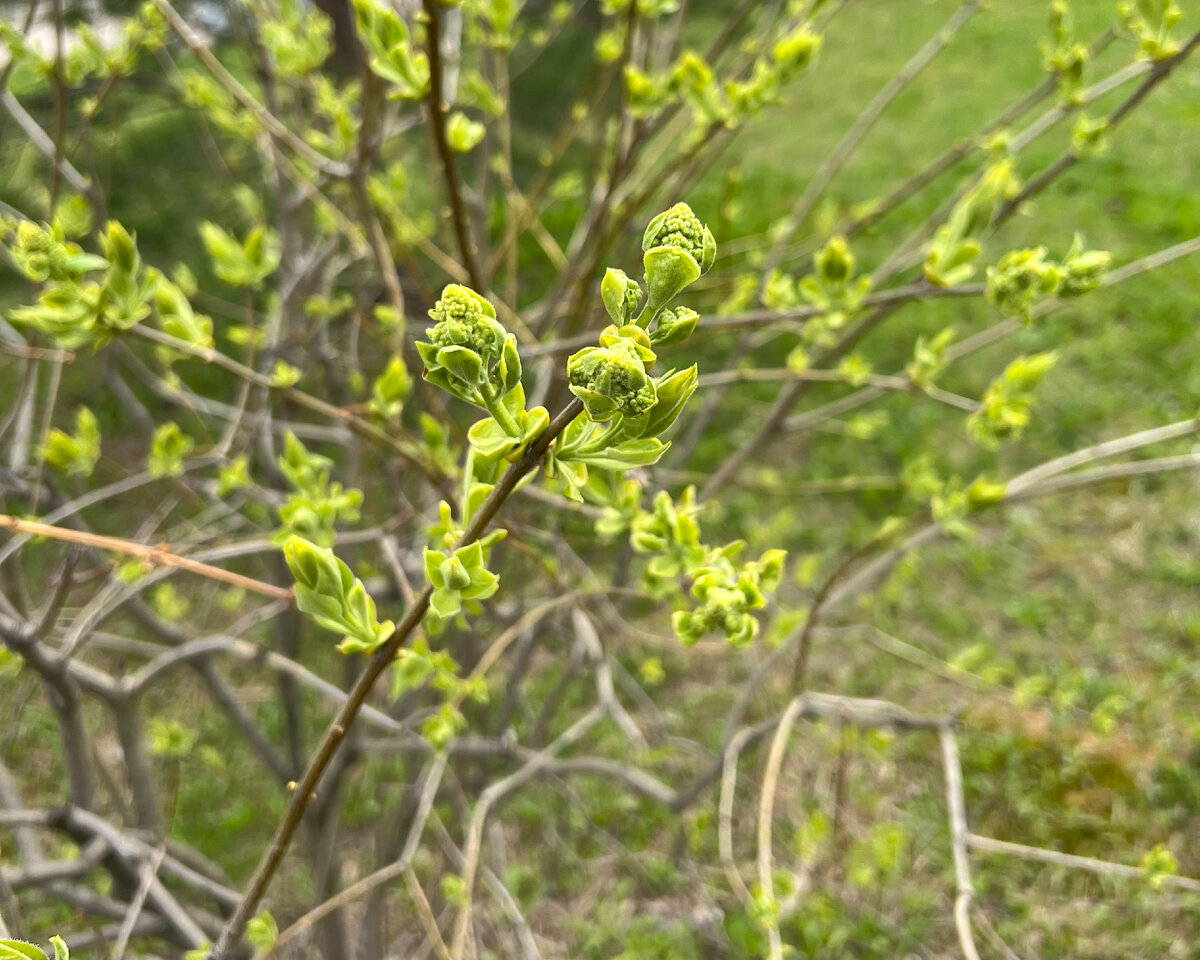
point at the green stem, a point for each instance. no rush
(604, 439)
(500, 413)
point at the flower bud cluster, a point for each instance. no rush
(1022, 277)
(728, 597)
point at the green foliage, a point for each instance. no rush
(22, 950)
(178, 318)
(1064, 58)
(1051, 743)
(169, 447)
(73, 309)
(75, 454)
(456, 576)
(299, 39)
(242, 263)
(328, 592)
(1005, 409)
(929, 358)
(1150, 23)
(316, 503)
(391, 54)
(958, 241)
(1024, 277)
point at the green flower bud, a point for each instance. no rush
(680, 227)
(454, 574)
(611, 381)
(466, 319)
(797, 50)
(1083, 270)
(468, 348)
(631, 335)
(835, 263)
(1020, 278)
(674, 326)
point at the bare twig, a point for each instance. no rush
(158, 556)
(958, 842)
(1076, 862)
(766, 816)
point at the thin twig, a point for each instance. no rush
(766, 816)
(1076, 862)
(158, 556)
(964, 892)
(149, 870)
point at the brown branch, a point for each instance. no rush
(158, 556)
(437, 127)
(408, 451)
(379, 661)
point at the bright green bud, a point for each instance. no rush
(674, 326)
(680, 227)
(1020, 279)
(983, 493)
(770, 568)
(458, 576)
(1083, 271)
(611, 381)
(391, 389)
(797, 50)
(632, 336)
(689, 628)
(673, 391)
(76, 455)
(462, 133)
(454, 574)
(167, 451)
(1089, 136)
(463, 318)
(835, 263)
(391, 55)
(469, 347)
(328, 592)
